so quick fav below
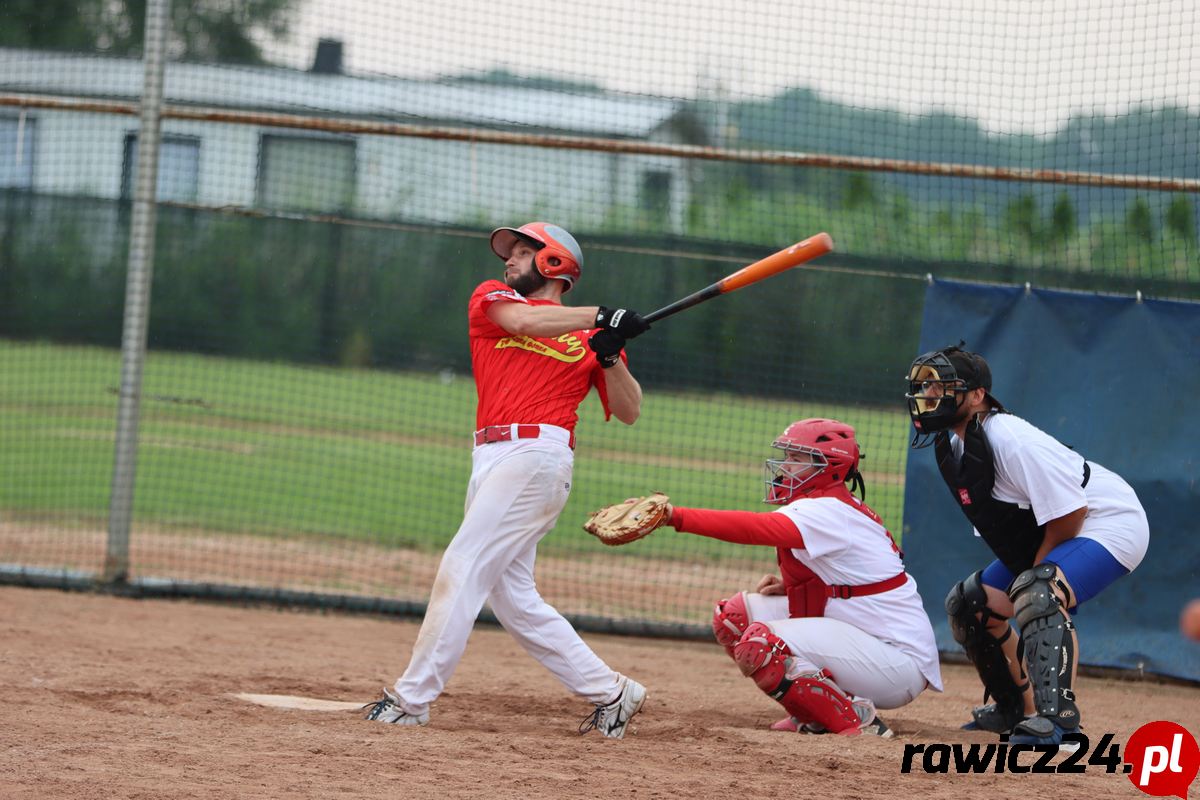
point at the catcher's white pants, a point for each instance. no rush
(859, 663)
(516, 493)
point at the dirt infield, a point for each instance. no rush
(104, 697)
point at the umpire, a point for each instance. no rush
(1062, 529)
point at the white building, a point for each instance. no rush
(386, 177)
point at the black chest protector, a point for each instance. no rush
(1010, 531)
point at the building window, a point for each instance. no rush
(655, 197)
(178, 168)
(306, 173)
(18, 135)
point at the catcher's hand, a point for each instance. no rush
(629, 521)
(771, 584)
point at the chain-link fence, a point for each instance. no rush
(326, 179)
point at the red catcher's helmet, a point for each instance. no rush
(818, 453)
(558, 254)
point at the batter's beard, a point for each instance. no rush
(527, 283)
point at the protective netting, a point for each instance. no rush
(328, 175)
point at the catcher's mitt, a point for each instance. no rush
(629, 521)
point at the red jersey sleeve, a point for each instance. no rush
(740, 527)
(598, 380)
(482, 298)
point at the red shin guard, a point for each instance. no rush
(766, 658)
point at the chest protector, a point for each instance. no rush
(1010, 531)
(807, 594)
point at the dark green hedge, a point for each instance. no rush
(358, 295)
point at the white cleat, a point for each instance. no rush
(611, 719)
(387, 709)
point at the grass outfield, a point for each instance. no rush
(254, 447)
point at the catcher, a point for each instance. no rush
(841, 631)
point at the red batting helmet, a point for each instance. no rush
(817, 453)
(558, 254)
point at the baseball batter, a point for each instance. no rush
(534, 361)
(841, 630)
(1062, 528)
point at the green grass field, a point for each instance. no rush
(285, 450)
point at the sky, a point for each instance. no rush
(1014, 65)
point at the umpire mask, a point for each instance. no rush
(938, 382)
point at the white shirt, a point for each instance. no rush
(1036, 471)
(845, 546)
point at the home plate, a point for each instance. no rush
(302, 703)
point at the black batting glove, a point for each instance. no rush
(607, 346)
(624, 321)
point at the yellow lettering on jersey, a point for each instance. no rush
(574, 348)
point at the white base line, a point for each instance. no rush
(301, 703)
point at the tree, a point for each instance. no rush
(227, 31)
(51, 25)
(1139, 221)
(859, 191)
(1181, 218)
(1062, 218)
(1021, 216)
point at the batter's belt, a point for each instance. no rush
(508, 433)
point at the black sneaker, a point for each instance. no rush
(993, 718)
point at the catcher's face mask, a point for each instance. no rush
(785, 477)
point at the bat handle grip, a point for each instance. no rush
(692, 299)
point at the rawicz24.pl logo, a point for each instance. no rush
(1161, 758)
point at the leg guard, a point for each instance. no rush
(730, 620)
(966, 606)
(765, 657)
(1049, 646)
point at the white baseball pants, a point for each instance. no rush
(517, 490)
(859, 663)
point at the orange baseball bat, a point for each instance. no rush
(785, 259)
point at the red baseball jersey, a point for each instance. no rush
(528, 379)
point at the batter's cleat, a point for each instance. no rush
(611, 719)
(993, 718)
(387, 709)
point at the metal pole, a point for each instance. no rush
(137, 294)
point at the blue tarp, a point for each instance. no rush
(1116, 378)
